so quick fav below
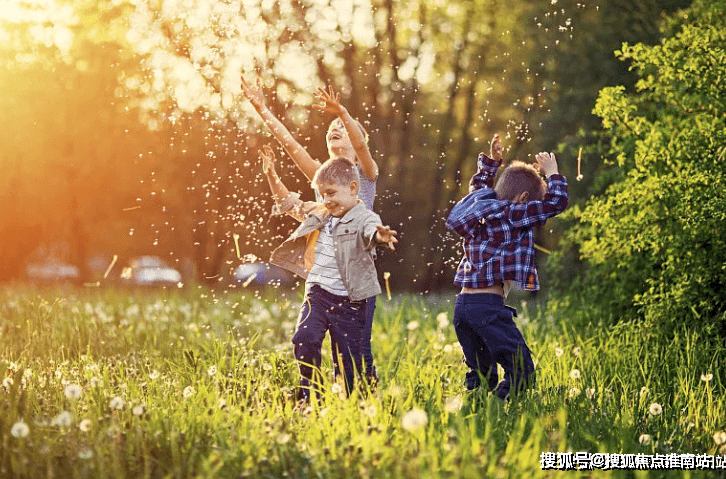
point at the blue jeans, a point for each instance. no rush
(488, 336)
(322, 311)
(365, 345)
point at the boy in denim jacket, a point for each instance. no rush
(331, 249)
(497, 224)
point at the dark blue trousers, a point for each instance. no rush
(322, 311)
(488, 336)
(365, 346)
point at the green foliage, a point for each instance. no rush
(653, 241)
(201, 385)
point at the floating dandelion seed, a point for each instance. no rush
(443, 320)
(414, 419)
(85, 425)
(117, 403)
(63, 419)
(655, 409)
(20, 430)
(644, 439)
(413, 325)
(73, 392)
(575, 374)
(559, 352)
(706, 377)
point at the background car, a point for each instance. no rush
(151, 271)
(263, 274)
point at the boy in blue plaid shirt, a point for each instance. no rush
(497, 224)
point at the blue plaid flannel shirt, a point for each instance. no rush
(498, 234)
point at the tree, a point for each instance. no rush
(652, 242)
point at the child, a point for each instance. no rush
(346, 138)
(332, 250)
(497, 227)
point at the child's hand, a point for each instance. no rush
(547, 163)
(268, 159)
(386, 235)
(254, 95)
(496, 148)
(331, 101)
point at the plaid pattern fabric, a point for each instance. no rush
(498, 235)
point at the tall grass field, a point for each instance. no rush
(186, 384)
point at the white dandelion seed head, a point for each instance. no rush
(371, 411)
(413, 325)
(20, 430)
(7, 382)
(644, 439)
(85, 454)
(575, 374)
(154, 374)
(188, 392)
(117, 403)
(590, 393)
(574, 391)
(576, 351)
(63, 419)
(283, 438)
(336, 389)
(706, 377)
(139, 409)
(559, 352)
(85, 425)
(442, 319)
(73, 392)
(655, 409)
(719, 438)
(212, 370)
(414, 419)
(448, 349)
(643, 391)
(453, 404)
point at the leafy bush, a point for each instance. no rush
(653, 242)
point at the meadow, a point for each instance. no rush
(193, 383)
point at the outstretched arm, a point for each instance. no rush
(385, 235)
(279, 190)
(299, 155)
(331, 104)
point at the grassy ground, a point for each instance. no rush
(99, 383)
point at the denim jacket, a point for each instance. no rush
(353, 238)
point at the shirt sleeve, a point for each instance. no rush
(465, 217)
(486, 171)
(534, 213)
(294, 206)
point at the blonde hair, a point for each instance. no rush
(339, 171)
(517, 178)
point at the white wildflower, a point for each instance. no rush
(719, 437)
(20, 430)
(414, 419)
(412, 325)
(453, 405)
(117, 403)
(63, 419)
(575, 374)
(73, 392)
(443, 320)
(559, 352)
(644, 439)
(85, 425)
(188, 392)
(655, 409)
(706, 377)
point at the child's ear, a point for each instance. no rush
(354, 187)
(523, 197)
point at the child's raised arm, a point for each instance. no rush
(279, 190)
(299, 155)
(331, 104)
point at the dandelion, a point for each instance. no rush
(139, 409)
(212, 370)
(453, 405)
(576, 351)
(655, 409)
(644, 439)
(370, 411)
(117, 403)
(443, 320)
(719, 437)
(154, 374)
(7, 382)
(590, 393)
(222, 403)
(448, 348)
(559, 352)
(412, 325)
(574, 391)
(188, 392)
(63, 419)
(85, 454)
(706, 377)
(414, 419)
(85, 425)
(73, 392)
(94, 381)
(336, 389)
(575, 374)
(20, 430)
(283, 438)
(643, 392)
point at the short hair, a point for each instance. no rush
(517, 178)
(339, 171)
(338, 121)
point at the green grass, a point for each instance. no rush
(198, 384)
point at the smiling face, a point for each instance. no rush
(338, 142)
(338, 199)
